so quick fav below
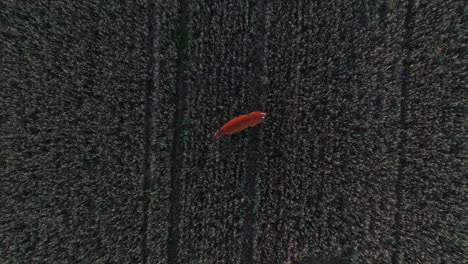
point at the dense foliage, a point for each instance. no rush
(72, 102)
(107, 110)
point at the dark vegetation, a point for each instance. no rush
(107, 109)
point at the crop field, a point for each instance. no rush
(107, 109)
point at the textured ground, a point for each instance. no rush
(107, 110)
